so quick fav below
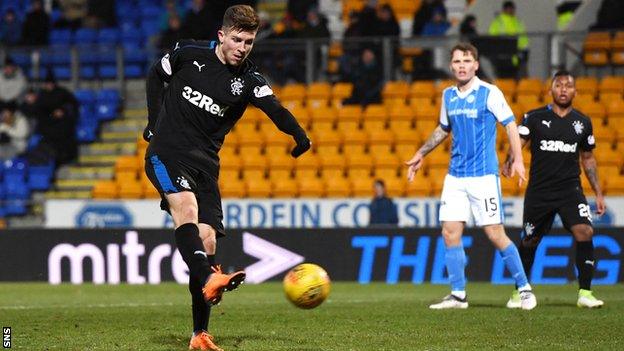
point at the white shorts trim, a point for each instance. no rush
(479, 197)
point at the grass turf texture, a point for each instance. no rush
(356, 317)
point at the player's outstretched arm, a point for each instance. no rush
(285, 122)
(591, 172)
(415, 163)
(515, 146)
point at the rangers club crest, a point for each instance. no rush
(528, 229)
(237, 86)
(578, 127)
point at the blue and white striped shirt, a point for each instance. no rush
(471, 118)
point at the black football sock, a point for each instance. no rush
(201, 309)
(527, 255)
(585, 263)
(192, 250)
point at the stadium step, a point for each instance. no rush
(68, 194)
(125, 125)
(102, 148)
(75, 184)
(81, 172)
(97, 160)
(119, 136)
(136, 113)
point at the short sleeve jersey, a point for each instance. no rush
(471, 117)
(203, 100)
(555, 146)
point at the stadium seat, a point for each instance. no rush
(586, 85)
(617, 49)
(438, 158)
(424, 89)
(302, 115)
(421, 185)
(318, 94)
(349, 118)
(611, 84)
(327, 142)
(254, 166)
(40, 176)
(258, 188)
(323, 118)
(362, 186)
(232, 188)
(276, 142)
(406, 143)
(338, 187)
(443, 84)
(230, 162)
(131, 190)
(595, 48)
(311, 187)
(401, 117)
(307, 166)
(285, 188)
(359, 165)
(354, 142)
(105, 190)
(250, 143)
(395, 187)
(509, 186)
(606, 156)
(60, 37)
(507, 86)
(280, 166)
(425, 112)
(380, 141)
(293, 92)
(395, 90)
(614, 186)
(340, 91)
(85, 36)
(615, 113)
(529, 86)
(375, 117)
(229, 174)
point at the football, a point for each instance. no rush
(307, 285)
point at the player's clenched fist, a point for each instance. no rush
(303, 145)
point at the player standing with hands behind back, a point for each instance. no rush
(469, 111)
(209, 87)
(558, 134)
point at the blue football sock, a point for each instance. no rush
(511, 257)
(455, 258)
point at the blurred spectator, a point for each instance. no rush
(265, 29)
(36, 25)
(12, 81)
(10, 28)
(101, 14)
(172, 9)
(298, 9)
(425, 13)
(14, 131)
(368, 19)
(610, 15)
(169, 37)
(198, 22)
(73, 11)
(31, 108)
(382, 209)
(507, 23)
(354, 29)
(57, 125)
(315, 25)
(438, 25)
(468, 28)
(367, 79)
(387, 24)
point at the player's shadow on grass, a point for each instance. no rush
(176, 341)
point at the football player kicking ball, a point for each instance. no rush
(209, 86)
(469, 111)
(558, 134)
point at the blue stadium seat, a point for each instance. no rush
(85, 36)
(16, 206)
(107, 71)
(132, 35)
(108, 95)
(108, 36)
(22, 59)
(87, 71)
(150, 27)
(15, 170)
(108, 101)
(40, 176)
(149, 12)
(62, 72)
(60, 37)
(85, 96)
(33, 141)
(86, 133)
(107, 54)
(133, 71)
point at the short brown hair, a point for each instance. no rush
(241, 18)
(466, 47)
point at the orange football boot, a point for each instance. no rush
(203, 341)
(218, 283)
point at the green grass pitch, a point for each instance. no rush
(356, 317)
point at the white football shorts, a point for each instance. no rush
(479, 196)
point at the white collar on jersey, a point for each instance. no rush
(476, 82)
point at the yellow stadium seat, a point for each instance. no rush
(401, 113)
(337, 187)
(375, 117)
(105, 190)
(608, 172)
(529, 86)
(443, 84)
(606, 156)
(130, 190)
(387, 166)
(406, 143)
(506, 85)
(149, 192)
(421, 185)
(323, 118)
(252, 161)
(276, 142)
(354, 142)
(335, 49)
(251, 115)
(230, 162)
(614, 186)
(359, 165)
(229, 174)
(285, 188)
(426, 113)
(528, 100)
(596, 111)
(615, 113)
(327, 142)
(307, 165)
(318, 91)
(232, 188)
(349, 118)
(302, 115)
(509, 186)
(362, 186)
(611, 84)
(395, 187)
(396, 90)
(311, 187)
(258, 188)
(293, 92)
(595, 48)
(605, 136)
(438, 158)
(125, 176)
(404, 9)
(587, 85)
(250, 143)
(128, 164)
(380, 142)
(424, 89)
(341, 91)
